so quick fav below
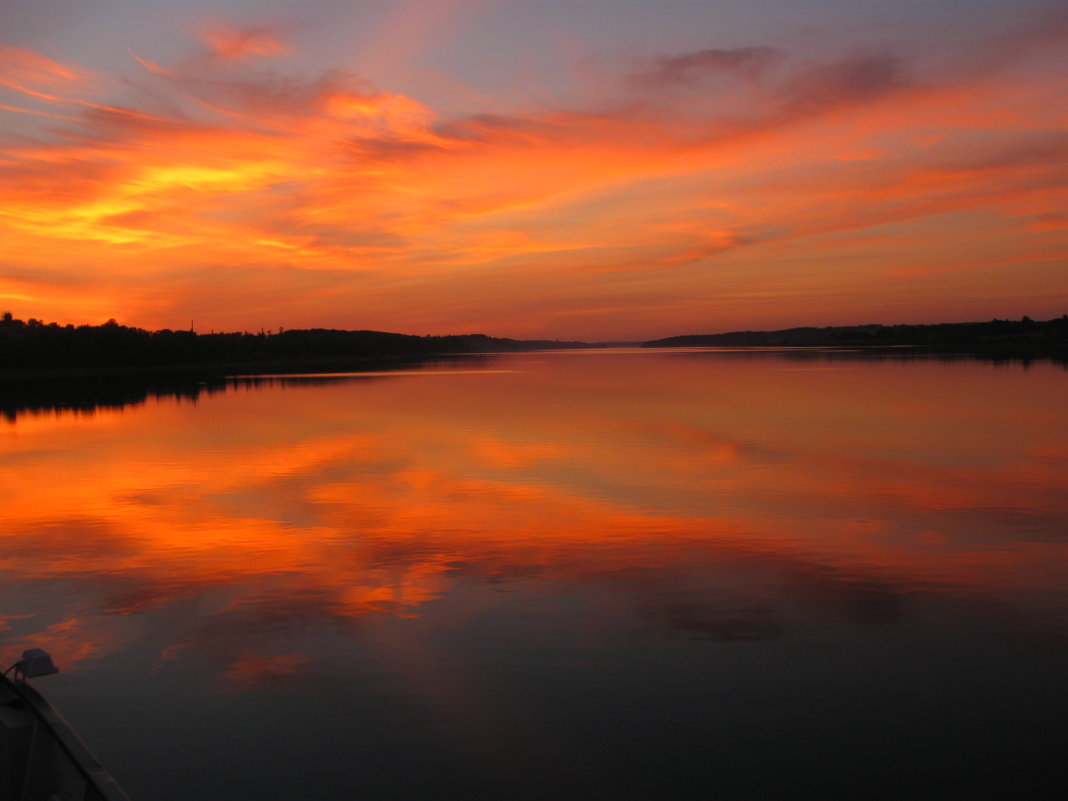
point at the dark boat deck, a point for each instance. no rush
(41, 758)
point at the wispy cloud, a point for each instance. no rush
(30, 73)
(688, 69)
(229, 43)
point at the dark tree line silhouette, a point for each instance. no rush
(34, 345)
(1050, 336)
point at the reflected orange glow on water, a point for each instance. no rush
(721, 482)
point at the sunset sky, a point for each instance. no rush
(591, 169)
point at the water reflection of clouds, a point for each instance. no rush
(280, 520)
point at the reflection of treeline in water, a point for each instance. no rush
(33, 344)
(89, 394)
(1050, 336)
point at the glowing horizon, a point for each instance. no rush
(460, 167)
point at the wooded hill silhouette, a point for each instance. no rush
(34, 345)
(1050, 336)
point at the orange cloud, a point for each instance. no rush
(229, 43)
(31, 73)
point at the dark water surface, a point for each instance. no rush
(618, 575)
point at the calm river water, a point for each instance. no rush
(575, 575)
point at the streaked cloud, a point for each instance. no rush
(229, 43)
(691, 68)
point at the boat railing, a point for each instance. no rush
(41, 758)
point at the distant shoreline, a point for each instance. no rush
(1023, 337)
(32, 350)
(220, 371)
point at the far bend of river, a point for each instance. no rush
(585, 575)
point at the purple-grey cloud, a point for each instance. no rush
(689, 68)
